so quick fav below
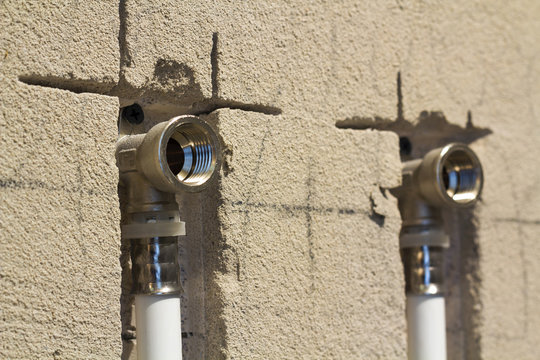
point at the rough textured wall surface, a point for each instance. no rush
(298, 255)
(59, 229)
(309, 262)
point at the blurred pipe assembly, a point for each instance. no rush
(181, 154)
(446, 177)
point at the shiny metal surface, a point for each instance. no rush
(155, 268)
(182, 154)
(450, 176)
(423, 270)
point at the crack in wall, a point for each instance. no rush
(109, 89)
(173, 85)
(215, 65)
(204, 107)
(430, 130)
(73, 85)
(216, 104)
(125, 55)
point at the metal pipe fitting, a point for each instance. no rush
(423, 269)
(181, 154)
(446, 177)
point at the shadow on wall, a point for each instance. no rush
(173, 86)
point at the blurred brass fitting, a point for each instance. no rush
(446, 177)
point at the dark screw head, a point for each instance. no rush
(133, 114)
(405, 146)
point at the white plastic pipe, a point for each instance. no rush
(159, 332)
(426, 323)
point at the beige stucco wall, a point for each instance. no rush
(293, 252)
(59, 229)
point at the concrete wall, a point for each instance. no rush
(59, 222)
(293, 252)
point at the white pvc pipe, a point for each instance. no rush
(426, 324)
(158, 323)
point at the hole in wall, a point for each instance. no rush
(405, 146)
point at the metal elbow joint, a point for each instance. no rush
(450, 176)
(178, 155)
(447, 177)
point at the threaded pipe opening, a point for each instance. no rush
(461, 176)
(191, 154)
(175, 156)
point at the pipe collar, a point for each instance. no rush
(181, 154)
(450, 176)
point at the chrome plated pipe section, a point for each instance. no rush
(155, 266)
(446, 177)
(423, 270)
(181, 154)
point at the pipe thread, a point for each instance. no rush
(197, 155)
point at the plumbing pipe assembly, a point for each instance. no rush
(181, 154)
(447, 177)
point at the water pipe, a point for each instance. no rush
(178, 155)
(447, 177)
